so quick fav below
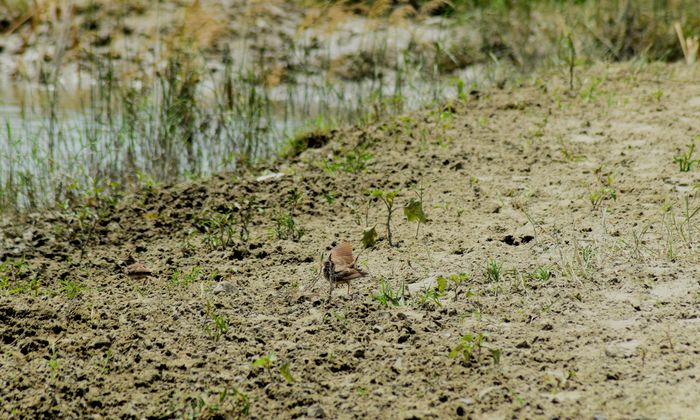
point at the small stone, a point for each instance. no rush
(600, 417)
(566, 397)
(224, 287)
(271, 176)
(466, 401)
(316, 411)
(398, 364)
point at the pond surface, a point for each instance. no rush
(62, 137)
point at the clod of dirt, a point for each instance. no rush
(138, 270)
(523, 345)
(513, 241)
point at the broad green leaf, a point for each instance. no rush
(375, 192)
(391, 195)
(286, 373)
(413, 211)
(369, 237)
(441, 284)
(263, 361)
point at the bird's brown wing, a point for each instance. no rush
(349, 274)
(341, 256)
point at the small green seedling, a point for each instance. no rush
(330, 197)
(433, 294)
(266, 361)
(228, 403)
(270, 360)
(585, 255)
(590, 92)
(72, 288)
(430, 295)
(387, 198)
(388, 297)
(541, 273)
(604, 193)
(685, 161)
(179, 278)
(469, 349)
(461, 94)
(456, 279)
(218, 325)
(219, 230)
(493, 271)
(351, 161)
(17, 278)
(54, 364)
(286, 226)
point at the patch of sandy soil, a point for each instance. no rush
(509, 175)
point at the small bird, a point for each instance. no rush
(339, 267)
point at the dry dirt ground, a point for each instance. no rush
(527, 178)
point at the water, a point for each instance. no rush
(59, 140)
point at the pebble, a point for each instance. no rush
(267, 177)
(316, 411)
(224, 287)
(566, 397)
(398, 364)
